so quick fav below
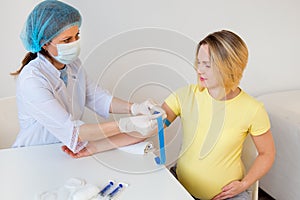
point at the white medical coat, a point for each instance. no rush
(50, 112)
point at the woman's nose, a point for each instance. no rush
(199, 70)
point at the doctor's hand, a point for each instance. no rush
(147, 107)
(146, 125)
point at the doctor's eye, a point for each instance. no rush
(77, 36)
(67, 40)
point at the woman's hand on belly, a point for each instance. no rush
(231, 190)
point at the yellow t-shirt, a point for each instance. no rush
(213, 136)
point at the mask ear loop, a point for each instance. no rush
(162, 159)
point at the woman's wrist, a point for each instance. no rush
(245, 184)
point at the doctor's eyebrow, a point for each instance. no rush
(70, 36)
(67, 38)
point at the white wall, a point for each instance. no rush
(140, 49)
(270, 28)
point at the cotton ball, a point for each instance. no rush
(73, 183)
(86, 192)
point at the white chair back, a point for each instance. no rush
(249, 154)
(9, 123)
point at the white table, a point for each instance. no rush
(26, 172)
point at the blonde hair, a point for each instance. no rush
(228, 56)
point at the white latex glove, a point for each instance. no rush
(158, 110)
(144, 124)
(147, 107)
(142, 108)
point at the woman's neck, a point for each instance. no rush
(218, 93)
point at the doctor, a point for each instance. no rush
(53, 89)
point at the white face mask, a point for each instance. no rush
(67, 53)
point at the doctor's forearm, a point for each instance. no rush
(93, 132)
(119, 106)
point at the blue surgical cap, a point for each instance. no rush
(47, 20)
